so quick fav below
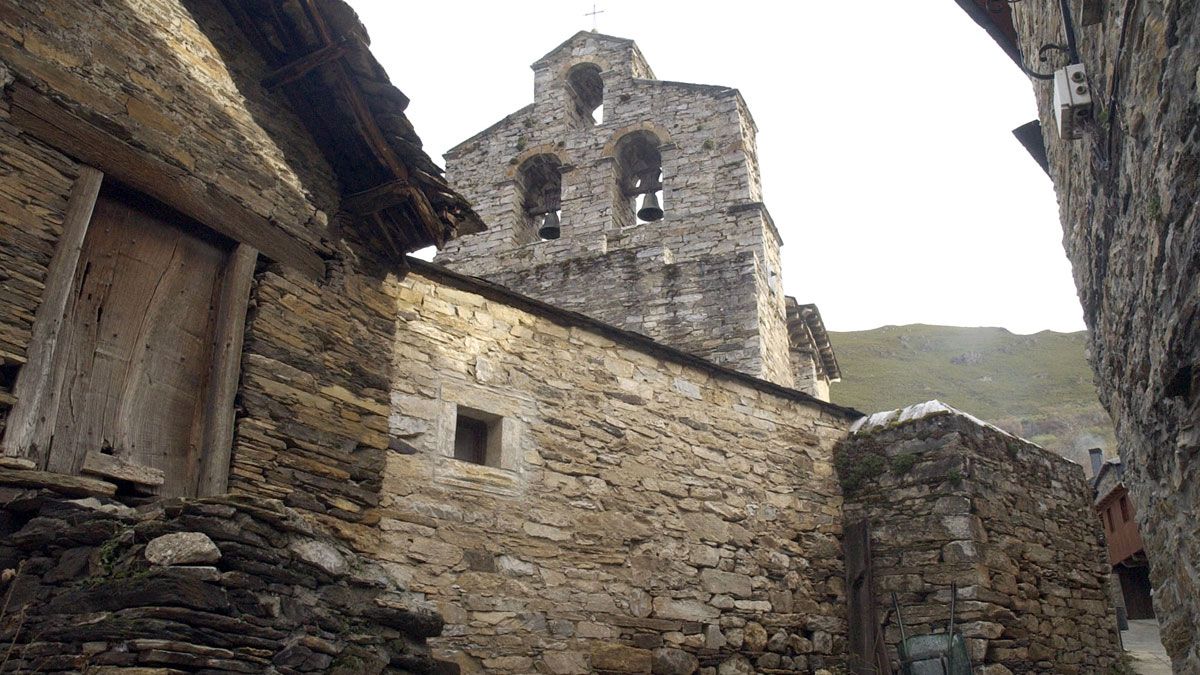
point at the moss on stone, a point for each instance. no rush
(902, 464)
(857, 464)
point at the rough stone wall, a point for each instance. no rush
(34, 184)
(647, 510)
(213, 585)
(804, 366)
(1128, 195)
(178, 79)
(674, 298)
(313, 426)
(952, 500)
(174, 78)
(712, 200)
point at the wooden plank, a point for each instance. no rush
(217, 444)
(304, 65)
(429, 220)
(867, 653)
(382, 229)
(107, 466)
(55, 125)
(31, 421)
(73, 486)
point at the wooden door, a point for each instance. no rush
(865, 640)
(137, 342)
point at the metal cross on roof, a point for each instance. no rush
(593, 14)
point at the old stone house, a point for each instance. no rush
(1127, 193)
(1126, 549)
(209, 316)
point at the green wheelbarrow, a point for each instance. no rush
(936, 654)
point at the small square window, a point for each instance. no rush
(477, 437)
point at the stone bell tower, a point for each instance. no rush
(569, 185)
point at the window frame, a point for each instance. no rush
(487, 425)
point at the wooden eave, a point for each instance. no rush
(996, 17)
(318, 50)
(806, 330)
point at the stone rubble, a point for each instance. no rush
(224, 584)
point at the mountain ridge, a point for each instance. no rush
(1038, 385)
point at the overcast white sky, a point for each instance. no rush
(884, 138)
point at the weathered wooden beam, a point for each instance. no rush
(396, 193)
(304, 65)
(55, 125)
(378, 198)
(31, 422)
(429, 220)
(362, 112)
(384, 231)
(216, 443)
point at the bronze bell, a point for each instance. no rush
(650, 210)
(550, 228)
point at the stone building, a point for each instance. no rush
(242, 431)
(186, 278)
(951, 499)
(601, 137)
(1126, 550)
(1127, 194)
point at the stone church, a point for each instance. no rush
(704, 277)
(243, 431)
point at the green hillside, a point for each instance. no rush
(1036, 386)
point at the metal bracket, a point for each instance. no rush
(1070, 48)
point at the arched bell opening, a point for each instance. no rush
(639, 179)
(540, 183)
(585, 89)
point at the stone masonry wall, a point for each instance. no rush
(666, 301)
(313, 425)
(214, 585)
(645, 511)
(952, 500)
(712, 199)
(1128, 195)
(178, 80)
